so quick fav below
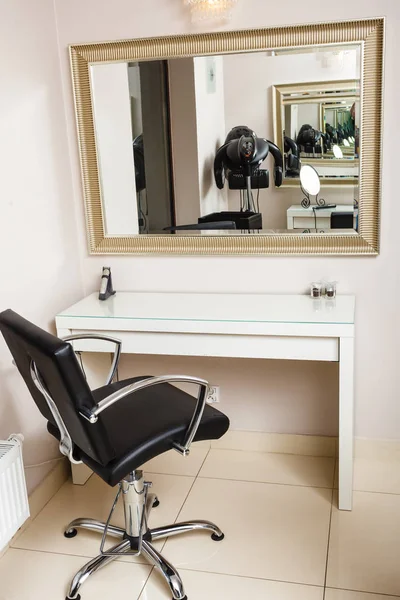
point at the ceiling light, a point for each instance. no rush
(210, 9)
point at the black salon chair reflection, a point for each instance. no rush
(202, 226)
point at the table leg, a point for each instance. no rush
(80, 474)
(346, 423)
(96, 365)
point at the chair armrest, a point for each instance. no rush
(91, 336)
(92, 415)
(66, 445)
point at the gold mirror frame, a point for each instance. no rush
(370, 33)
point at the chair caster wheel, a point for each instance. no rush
(77, 598)
(217, 538)
(185, 598)
(155, 504)
(71, 534)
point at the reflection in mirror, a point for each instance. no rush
(186, 144)
(322, 113)
(337, 152)
(309, 179)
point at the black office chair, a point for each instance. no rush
(114, 430)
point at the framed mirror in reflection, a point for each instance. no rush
(213, 144)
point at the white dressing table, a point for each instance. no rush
(287, 327)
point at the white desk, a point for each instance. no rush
(231, 325)
(303, 218)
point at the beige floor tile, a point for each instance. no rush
(377, 475)
(26, 575)
(269, 468)
(345, 595)
(172, 463)
(374, 475)
(209, 586)
(364, 545)
(272, 531)
(94, 500)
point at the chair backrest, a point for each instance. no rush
(61, 374)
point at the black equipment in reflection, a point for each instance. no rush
(201, 225)
(292, 158)
(332, 132)
(327, 141)
(243, 219)
(341, 133)
(140, 171)
(140, 179)
(309, 140)
(315, 142)
(239, 161)
(342, 220)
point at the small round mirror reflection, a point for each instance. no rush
(337, 151)
(310, 180)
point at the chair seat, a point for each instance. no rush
(145, 424)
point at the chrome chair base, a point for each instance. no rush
(136, 522)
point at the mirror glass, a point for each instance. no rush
(215, 144)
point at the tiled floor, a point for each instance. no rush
(285, 538)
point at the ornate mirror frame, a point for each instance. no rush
(370, 33)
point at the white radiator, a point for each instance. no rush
(14, 507)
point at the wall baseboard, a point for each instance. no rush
(44, 493)
(258, 441)
(307, 445)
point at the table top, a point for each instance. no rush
(198, 307)
(298, 211)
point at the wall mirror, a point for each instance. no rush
(195, 144)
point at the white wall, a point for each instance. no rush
(308, 113)
(136, 99)
(375, 281)
(197, 131)
(185, 157)
(40, 260)
(112, 110)
(210, 117)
